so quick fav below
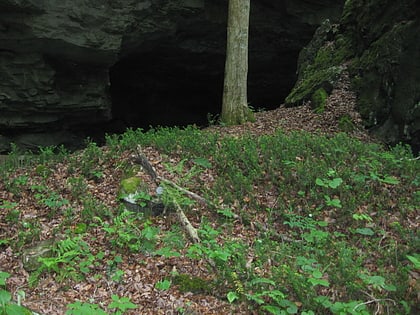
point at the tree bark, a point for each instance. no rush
(235, 108)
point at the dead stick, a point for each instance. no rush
(192, 232)
(142, 160)
(185, 191)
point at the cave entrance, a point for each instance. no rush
(182, 88)
(157, 89)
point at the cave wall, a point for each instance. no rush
(378, 42)
(70, 67)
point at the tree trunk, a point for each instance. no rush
(235, 108)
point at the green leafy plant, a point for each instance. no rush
(292, 230)
(7, 306)
(80, 308)
(16, 184)
(13, 214)
(376, 282)
(125, 233)
(68, 260)
(121, 304)
(163, 285)
(415, 260)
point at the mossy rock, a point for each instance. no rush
(380, 50)
(385, 77)
(130, 185)
(136, 198)
(187, 283)
(31, 255)
(318, 100)
(320, 65)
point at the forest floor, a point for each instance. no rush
(139, 271)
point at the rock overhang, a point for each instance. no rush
(70, 63)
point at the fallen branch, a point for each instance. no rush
(193, 195)
(192, 232)
(141, 159)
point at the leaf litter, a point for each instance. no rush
(143, 270)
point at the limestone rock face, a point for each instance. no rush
(54, 61)
(379, 43)
(67, 66)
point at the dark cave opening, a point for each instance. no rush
(178, 88)
(152, 89)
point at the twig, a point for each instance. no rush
(185, 191)
(141, 159)
(374, 300)
(192, 232)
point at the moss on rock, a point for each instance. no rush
(31, 255)
(130, 185)
(187, 283)
(379, 43)
(320, 64)
(380, 75)
(318, 100)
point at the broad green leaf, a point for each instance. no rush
(5, 297)
(317, 274)
(3, 277)
(334, 183)
(163, 285)
(415, 261)
(365, 231)
(79, 308)
(377, 280)
(322, 282)
(322, 223)
(291, 307)
(122, 303)
(390, 287)
(320, 182)
(14, 309)
(202, 162)
(390, 180)
(232, 296)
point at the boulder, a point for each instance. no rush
(379, 43)
(31, 255)
(134, 194)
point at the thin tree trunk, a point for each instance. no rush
(235, 104)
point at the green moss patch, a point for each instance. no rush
(318, 99)
(130, 185)
(322, 71)
(192, 284)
